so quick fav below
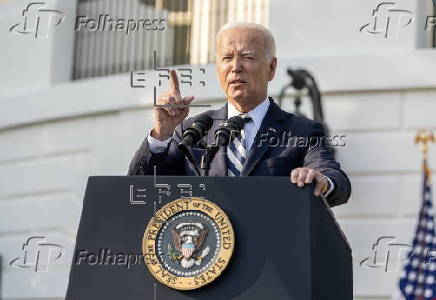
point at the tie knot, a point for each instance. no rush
(246, 117)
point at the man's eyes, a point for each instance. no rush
(249, 57)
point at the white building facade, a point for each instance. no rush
(65, 117)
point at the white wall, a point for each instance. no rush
(30, 63)
(324, 28)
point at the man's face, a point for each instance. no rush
(242, 67)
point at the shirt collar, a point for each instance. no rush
(257, 114)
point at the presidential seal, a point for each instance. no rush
(188, 243)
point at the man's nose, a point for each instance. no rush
(236, 65)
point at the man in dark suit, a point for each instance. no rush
(272, 143)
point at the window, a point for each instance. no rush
(114, 36)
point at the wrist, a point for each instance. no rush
(326, 186)
(160, 134)
(330, 186)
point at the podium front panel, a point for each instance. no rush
(280, 252)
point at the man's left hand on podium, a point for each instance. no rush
(302, 176)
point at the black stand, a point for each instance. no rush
(207, 158)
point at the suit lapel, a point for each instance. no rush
(272, 125)
(218, 166)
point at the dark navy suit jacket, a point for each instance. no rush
(284, 142)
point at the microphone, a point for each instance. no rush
(192, 135)
(224, 135)
(227, 131)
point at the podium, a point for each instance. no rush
(287, 243)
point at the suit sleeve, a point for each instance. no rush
(168, 162)
(319, 156)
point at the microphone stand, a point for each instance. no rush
(206, 159)
(186, 150)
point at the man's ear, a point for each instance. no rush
(272, 68)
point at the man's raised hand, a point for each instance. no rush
(166, 119)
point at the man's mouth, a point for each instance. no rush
(237, 81)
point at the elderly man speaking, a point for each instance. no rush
(245, 62)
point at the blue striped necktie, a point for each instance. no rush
(237, 152)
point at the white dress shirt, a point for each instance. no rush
(250, 130)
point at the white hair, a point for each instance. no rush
(270, 50)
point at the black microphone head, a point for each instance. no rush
(201, 126)
(237, 121)
(196, 131)
(204, 119)
(227, 131)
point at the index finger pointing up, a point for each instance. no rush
(174, 80)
